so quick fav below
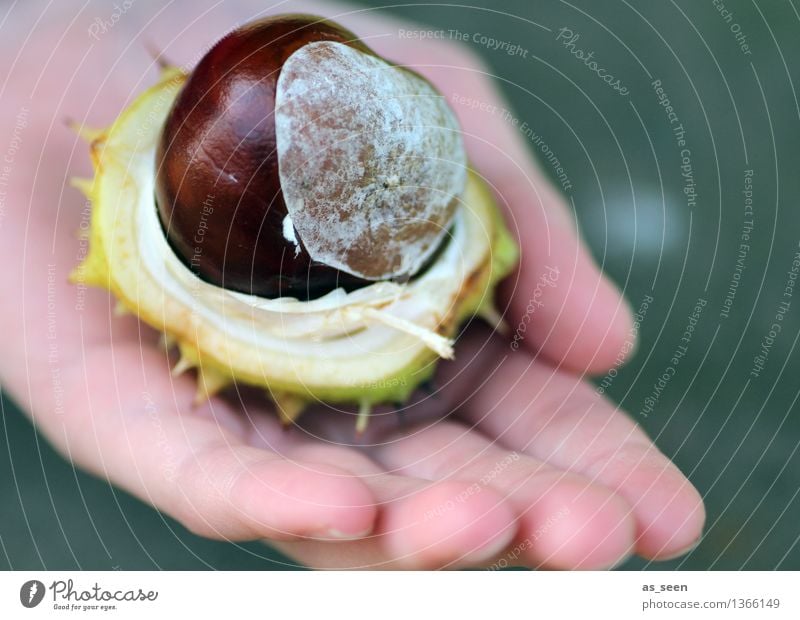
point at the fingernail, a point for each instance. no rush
(680, 552)
(337, 534)
(491, 549)
(619, 561)
(625, 324)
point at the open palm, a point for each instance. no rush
(514, 459)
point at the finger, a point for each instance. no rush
(419, 526)
(555, 417)
(565, 521)
(195, 465)
(559, 302)
(416, 533)
(198, 468)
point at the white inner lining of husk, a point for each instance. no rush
(376, 319)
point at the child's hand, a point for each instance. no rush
(535, 467)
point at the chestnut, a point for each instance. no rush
(294, 161)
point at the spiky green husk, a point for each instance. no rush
(111, 262)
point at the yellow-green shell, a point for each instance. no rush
(113, 264)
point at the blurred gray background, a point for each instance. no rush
(731, 81)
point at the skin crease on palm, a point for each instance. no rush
(531, 465)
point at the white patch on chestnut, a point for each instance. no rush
(371, 160)
(288, 233)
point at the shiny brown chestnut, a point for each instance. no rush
(217, 187)
(218, 183)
